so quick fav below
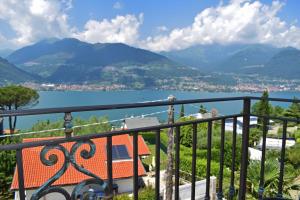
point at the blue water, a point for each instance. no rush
(50, 99)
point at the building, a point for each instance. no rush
(200, 189)
(201, 115)
(36, 173)
(239, 124)
(139, 122)
(255, 154)
(276, 143)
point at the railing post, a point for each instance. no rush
(68, 125)
(170, 149)
(208, 160)
(157, 164)
(245, 144)
(1, 126)
(282, 157)
(232, 188)
(220, 192)
(20, 174)
(177, 161)
(109, 167)
(135, 167)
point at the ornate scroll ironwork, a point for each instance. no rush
(69, 157)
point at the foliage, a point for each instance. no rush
(278, 111)
(202, 109)
(263, 107)
(186, 132)
(15, 97)
(254, 136)
(144, 194)
(9, 74)
(201, 166)
(8, 163)
(96, 125)
(293, 155)
(271, 178)
(293, 111)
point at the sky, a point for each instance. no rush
(156, 25)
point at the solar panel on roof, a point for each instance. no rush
(123, 153)
(119, 152)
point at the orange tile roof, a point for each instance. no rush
(142, 146)
(36, 174)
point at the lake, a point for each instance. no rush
(49, 99)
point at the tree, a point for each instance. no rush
(278, 111)
(262, 108)
(186, 132)
(182, 111)
(7, 168)
(202, 109)
(15, 97)
(293, 110)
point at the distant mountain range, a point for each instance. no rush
(5, 52)
(74, 61)
(244, 59)
(11, 74)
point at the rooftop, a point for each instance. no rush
(36, 173)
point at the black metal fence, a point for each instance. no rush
(108, 184)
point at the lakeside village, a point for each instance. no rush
(240, 84)
(184, 86)
(37, 173)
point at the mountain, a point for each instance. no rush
(258, 59)
(284, 64)
(250, 58)
(9, 73)
(73, 61)
(203, 57)
(5, 52)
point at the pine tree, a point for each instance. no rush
(202, 109)
(293, 110)
(263, 107)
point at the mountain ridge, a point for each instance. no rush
(73, 61)
(10, 74)
(240, 59)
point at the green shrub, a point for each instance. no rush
(146, 193)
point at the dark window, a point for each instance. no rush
(119, 152)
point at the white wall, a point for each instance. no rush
(125, 185)
(200, 189)
(52, 196)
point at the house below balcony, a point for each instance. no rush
(36, 173)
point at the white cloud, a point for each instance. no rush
(242, 21)
(239, 21)
(162, 28)
(33, 20)
(118, 5)
(123, 29)
(3, 42)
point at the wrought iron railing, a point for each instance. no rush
(107, 185)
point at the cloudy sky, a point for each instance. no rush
(155, 25)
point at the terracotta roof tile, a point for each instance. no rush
(36, 174)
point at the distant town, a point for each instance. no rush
(240, 83)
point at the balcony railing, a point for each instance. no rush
(107, 185)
